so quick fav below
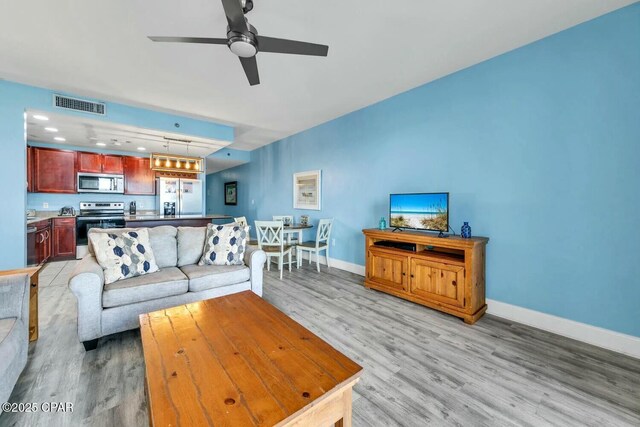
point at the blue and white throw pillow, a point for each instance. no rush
(225, 244)
(124, 254)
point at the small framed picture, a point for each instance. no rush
(306, 190)
(231, 193)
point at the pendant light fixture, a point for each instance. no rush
(175, 163)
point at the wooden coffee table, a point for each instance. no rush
(239, 361)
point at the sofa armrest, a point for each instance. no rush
(86, 283)
(255, 258)
(14, 297)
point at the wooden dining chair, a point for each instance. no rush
(271, 241)
(323, 236)
(292, 238)
(242, 220)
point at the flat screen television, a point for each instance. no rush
(420, 211)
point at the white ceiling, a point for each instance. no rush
(98, 134)
(376, 49)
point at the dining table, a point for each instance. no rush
(293, 229)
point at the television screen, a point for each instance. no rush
(424, 211)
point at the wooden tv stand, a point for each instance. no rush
(445, 274)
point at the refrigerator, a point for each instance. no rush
(183, 195)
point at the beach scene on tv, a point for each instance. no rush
(423, 211)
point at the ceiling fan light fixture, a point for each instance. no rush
(243, 46)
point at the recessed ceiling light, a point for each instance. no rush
(93, 138)
(101, 144)
(40, 117)
(142, 149)
(117, 143)
(59, 138)
(51, 129)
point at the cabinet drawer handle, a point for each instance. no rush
(404, 274)
(412, 275)
(454, 283)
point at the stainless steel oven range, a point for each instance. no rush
(96, 215)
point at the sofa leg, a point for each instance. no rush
(90, 345)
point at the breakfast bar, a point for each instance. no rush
(155, 220)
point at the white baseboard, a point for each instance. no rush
(600, 337)
(337, 263)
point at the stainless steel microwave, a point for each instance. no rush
(100, 183)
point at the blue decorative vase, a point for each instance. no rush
(465, 231)
(382, 225)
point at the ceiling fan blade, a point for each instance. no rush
(250, 66)
(205, 40)
(235, 16)
(274, 45)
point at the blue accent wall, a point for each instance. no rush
(538, 147)
(14, 100)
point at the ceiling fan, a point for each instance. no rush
(244, 41)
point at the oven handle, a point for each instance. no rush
(93, 218)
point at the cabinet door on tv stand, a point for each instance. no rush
(437, 281)
(388, 270)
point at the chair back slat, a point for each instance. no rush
(270, 233)
(324, 231)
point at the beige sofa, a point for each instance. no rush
(115, 307)
(14, 331)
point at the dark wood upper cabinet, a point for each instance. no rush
(139, 178)
(99, 163)
(89, 162)
(112, 164)
(54, 171)
(30, 183)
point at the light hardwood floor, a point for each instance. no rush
(421, 366)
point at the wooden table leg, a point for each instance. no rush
(346, 419)
(33, 307)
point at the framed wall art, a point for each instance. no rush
(231, 193)
(307, 190)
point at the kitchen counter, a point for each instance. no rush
(46, 215)
(156, 220)
(158, 217)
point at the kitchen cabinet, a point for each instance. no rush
(99, 163)
(112, 164)
(30, 183)
(64, 238)
(139, 178)
(42, 241)
(89, 162)
(54, 171)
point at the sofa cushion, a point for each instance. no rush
(164, 283)
(225, 244)
(124, 255)
(12, 343)
(203, 277)
(5, 327)
(190, 244)
(162, 239)
(164, 243)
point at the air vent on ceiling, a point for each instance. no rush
(79, 105)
